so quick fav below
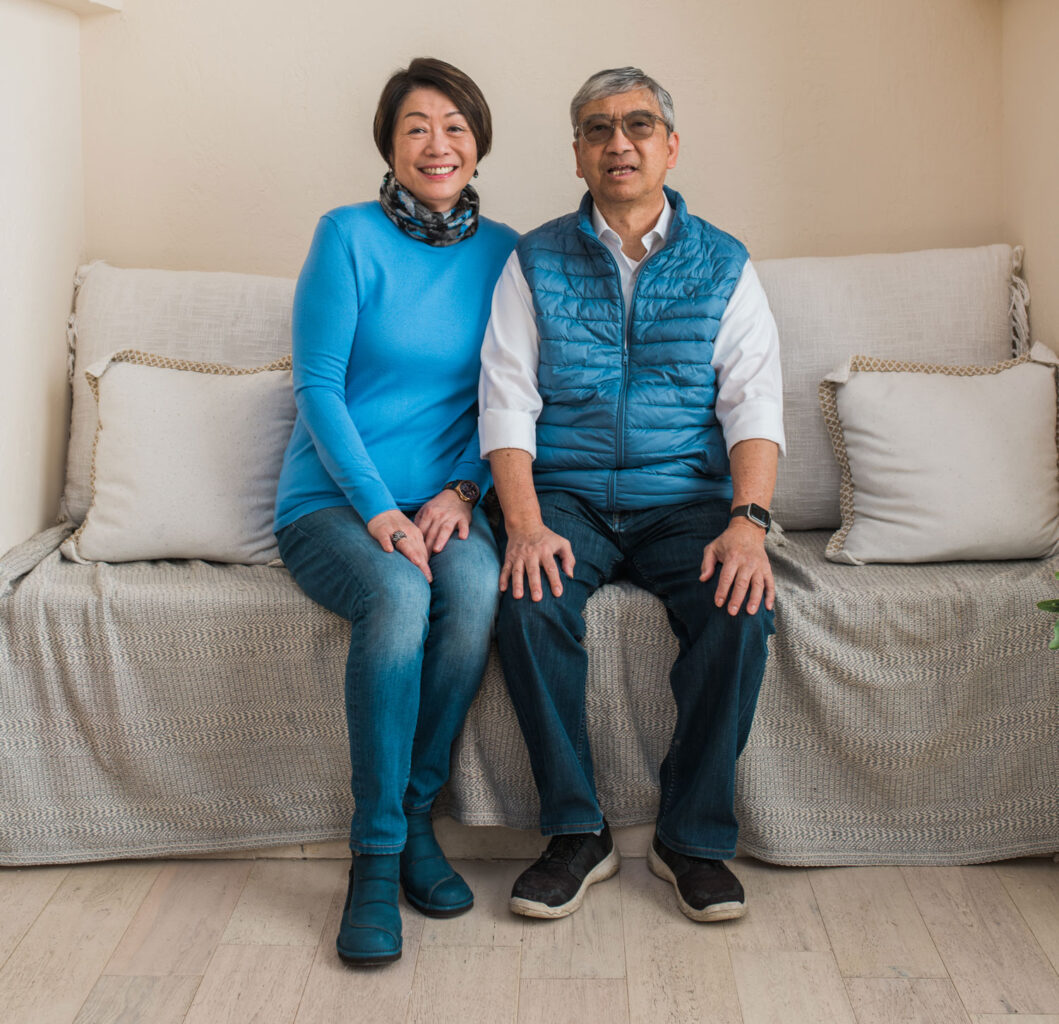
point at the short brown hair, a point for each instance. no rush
(431, 73)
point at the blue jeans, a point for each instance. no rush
(715, 678)
(417, 652)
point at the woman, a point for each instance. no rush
(376, 513)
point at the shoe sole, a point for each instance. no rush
(428, 911)
(531, 908)
(377, 960)
(714, 912)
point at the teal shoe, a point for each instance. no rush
(430, 884)
(370, 932)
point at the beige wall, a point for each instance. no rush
(41, 239)
(218, 130)
(1031, 152)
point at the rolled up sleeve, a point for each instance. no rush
(508, 400)
(746, 357)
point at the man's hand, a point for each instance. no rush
(383, 526)
(530, 552)
(441, 515)
(745, 568)
(531, 546)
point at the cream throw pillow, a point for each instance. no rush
(186, 460)
(953, 306)
(202, 316)
(945, 463)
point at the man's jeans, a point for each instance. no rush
(417, 652)
(715, 679)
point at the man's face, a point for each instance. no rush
(623, 170)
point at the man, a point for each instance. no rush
(630, 408)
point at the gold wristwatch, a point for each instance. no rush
(466, 490)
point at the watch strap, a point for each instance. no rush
(757, 514)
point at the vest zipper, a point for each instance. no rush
(619, 450)
(626, 335)
(626, 330)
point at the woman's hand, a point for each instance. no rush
(440, 516)
(383, 526)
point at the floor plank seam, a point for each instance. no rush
(1029, 926)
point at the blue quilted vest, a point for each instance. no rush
(629, 423)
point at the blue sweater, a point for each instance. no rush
(386, 334)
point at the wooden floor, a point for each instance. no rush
(212, 942)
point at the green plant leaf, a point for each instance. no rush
(1054, 645)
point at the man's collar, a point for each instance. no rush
(661, 228)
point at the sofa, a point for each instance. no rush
(909, 712)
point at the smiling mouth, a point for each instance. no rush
(438, 172)
(621, 171)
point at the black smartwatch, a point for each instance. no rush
(466, 490)
(757, 514)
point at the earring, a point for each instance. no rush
(475, 175)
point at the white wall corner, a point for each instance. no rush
(88, 6)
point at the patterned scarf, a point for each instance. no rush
(412, 217)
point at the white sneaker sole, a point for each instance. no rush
(714, 912)
(530, 908)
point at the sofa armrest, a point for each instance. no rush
(24, 557)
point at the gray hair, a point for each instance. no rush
(614, 81)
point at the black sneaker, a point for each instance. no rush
(555, 885)
(706, 889)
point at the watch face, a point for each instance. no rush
(759, 515)
(468, 490)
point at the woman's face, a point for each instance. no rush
(434, 152)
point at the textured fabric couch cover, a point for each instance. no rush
(909, 714)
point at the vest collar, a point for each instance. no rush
(677, 227)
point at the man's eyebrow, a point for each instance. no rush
(629, 114)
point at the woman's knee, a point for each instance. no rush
(389, 626)
(393, 597)
(467, 579)
(468, 600)
(334, 560)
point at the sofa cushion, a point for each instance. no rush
(944, 463)
(907, 716)
(943, 306)
(956, 306)
(238, 319)
(185, 461)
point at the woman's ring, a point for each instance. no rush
(396, 536)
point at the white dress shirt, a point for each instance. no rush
(745, 353)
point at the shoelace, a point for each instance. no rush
(563, 848)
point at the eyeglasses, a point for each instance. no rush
(636, 126)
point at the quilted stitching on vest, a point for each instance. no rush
(628, 429)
